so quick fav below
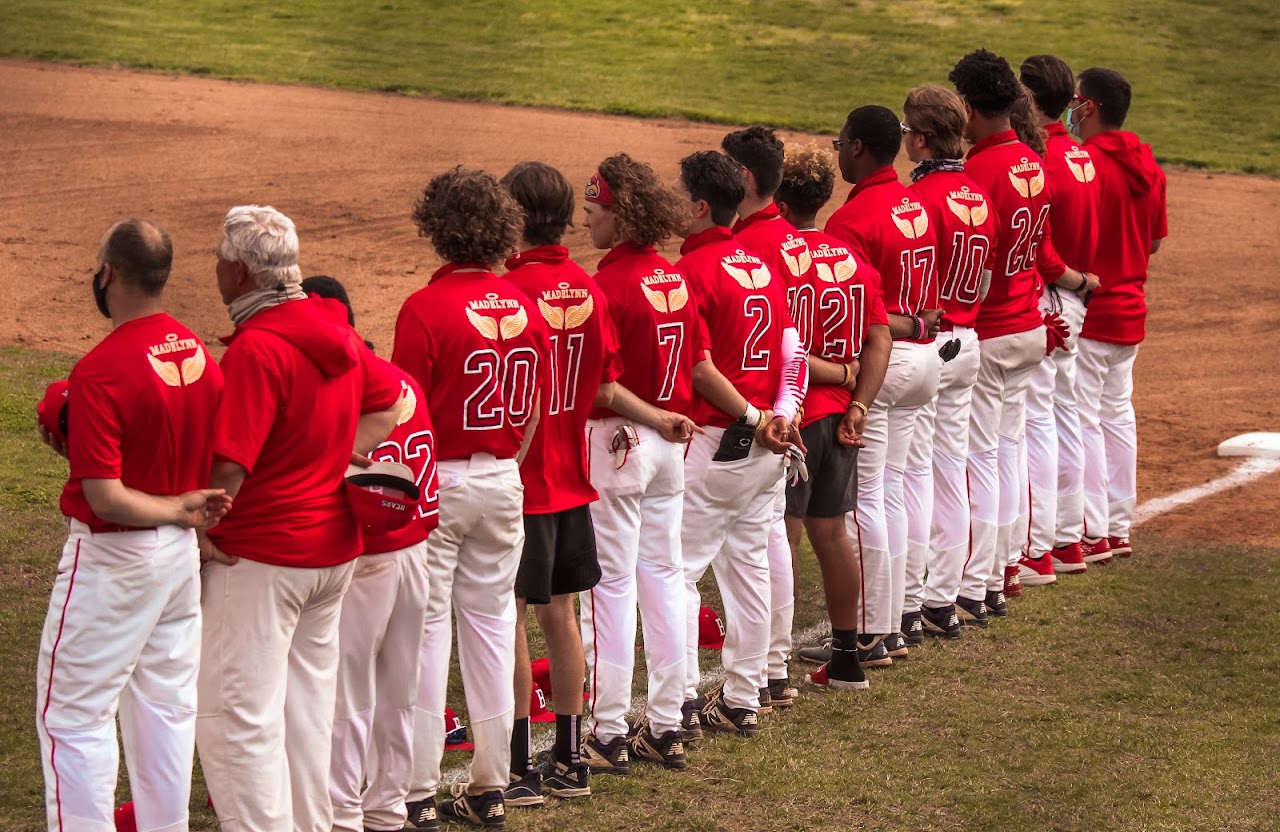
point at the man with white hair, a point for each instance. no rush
(301, 392)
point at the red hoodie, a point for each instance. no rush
(297, 379)
(1132, 213)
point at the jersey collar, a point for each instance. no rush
(1003, 137)
(765, 214)
(1055, 128)
(879, 177)
(623, 249)
(450, 268)
(714, 234)
(549, 255)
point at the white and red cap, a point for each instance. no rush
(710, 629)
(52, 410)
(383, 496)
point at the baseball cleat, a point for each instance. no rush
(1096, 551)
(972, 613)
(484, 810)
(525, 792)
(941, 621)
(872, 652)
(690, 726)
(823, 678)
(913, 629)
(1068, 560)
(666, 749)
(766, 703)
(1120, 547)
(423, 815)
(1036, 571)
(1012, 585)
(781, 694)
(601, 757)
(817, 654)
(996, 604)
(570, 781)
(896, 646)
(720, 716)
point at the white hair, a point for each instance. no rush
(266, 241)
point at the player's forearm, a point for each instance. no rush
(630, 406)
(530, 430)
(711, 385)
(795, 375)
(228, 476)
(873, 364)
(114, 502)
(822, 371)
(375, 427)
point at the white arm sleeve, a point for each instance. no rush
(795, 375)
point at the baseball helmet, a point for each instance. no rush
(455, 733)
(52, 410)
(710, 629)
(383, 496)
(125, 820)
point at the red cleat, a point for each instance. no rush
(1036, 572)
(1068, 560)
(1012, 585)
(1096, 551)
(1120, 547)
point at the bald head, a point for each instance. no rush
(140, 253)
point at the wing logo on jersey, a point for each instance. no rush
(801, 262)
(172, 373)
(408, 403)
(972, 215)
(838, 272)
(749, 278)
(671, 301)
(503, 329)
(570, 317)
(912, 228)
(1080, 163)
(1027, 186)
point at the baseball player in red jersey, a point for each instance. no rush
(933, 123)
(380, 628)
(886, 224)
(750, 382)
(301, 392)
(476, 345)
(1054, 448)
(636, 463)
(122, 635)
(1010, 326)
(1133, 210)
(839, 312)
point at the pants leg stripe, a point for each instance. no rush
(48, 694)
(595, 656)
(968, 492)
(862, 573)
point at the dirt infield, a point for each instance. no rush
(84, 147)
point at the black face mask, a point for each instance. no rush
(100, 292)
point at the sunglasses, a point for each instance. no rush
(836, 144)
(906, 130)
(1077, 97)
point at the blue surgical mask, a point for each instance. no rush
(1073, 126)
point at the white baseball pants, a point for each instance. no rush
(122, 636)
(937, 489)
(782, 593)
(379, 646)
(268, 678)
(728, 511)
(996, 429)
(878, 526)
(471, 572)
(1104, 389)
(637, 521)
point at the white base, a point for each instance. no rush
(1256, 445)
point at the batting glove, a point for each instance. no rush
(797, 470)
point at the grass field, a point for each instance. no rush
(1205, 74)
(1137, 697)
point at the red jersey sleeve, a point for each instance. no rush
(99, 433)
(1160, 210)
(381, 388)
(877, 315)
(413, 351)
(251, 394)
(608, 339)
(1048, 263)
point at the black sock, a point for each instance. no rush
(567, 738)
(844, 653)
(521, 761)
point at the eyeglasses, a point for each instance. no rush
(906, 129)
(1078, 97)
(837, 143)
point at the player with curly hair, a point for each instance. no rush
(477, 347)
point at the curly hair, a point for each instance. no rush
(546, 198)
(986, 81)
(1050, 81)
(808, 178)
(646, 211)
(469, 217)
(716, 178)
(1026, 124)
(760, 151)
(939, 114)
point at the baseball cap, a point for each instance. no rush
(125, 819)
(540, 669)
(710, 629)
(52, 409)
(455, 733)
(538, 711)
(383, 496)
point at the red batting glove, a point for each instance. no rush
(1056, 332)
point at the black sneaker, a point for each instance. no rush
(713, 693)
(667, 749)
(781, 694)
(525, 792)
(913, 629)
(818, 654)
(766, 702)
(719, 716)
(422, 814)
(872, 652)
(996, 604)
(484, 810)
(942, 621)
(602, 757)
(896, 646)
(567, 782)
(972, 613)
(690, 726)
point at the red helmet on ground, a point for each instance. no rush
(383, 496)
(52, 410)
(710, 629)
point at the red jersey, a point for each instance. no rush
(476, 345)
(777, 242)
(832, 310)
(1134, 212)
(883, 222)
(657, 326)
(584, 355)
(1013, 178)
(1073, 211)
(140, 409)
(411, 443)
(961, 215)
(744, 306)
(297, 380)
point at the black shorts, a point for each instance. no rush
(559, 555)
(832, 489)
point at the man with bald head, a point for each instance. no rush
(122, 634)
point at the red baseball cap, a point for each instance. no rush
(538, 706)
(125, 820)
(541, 669)
(455, 733)
(383, 496)
(710, 629)
(52, 409)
